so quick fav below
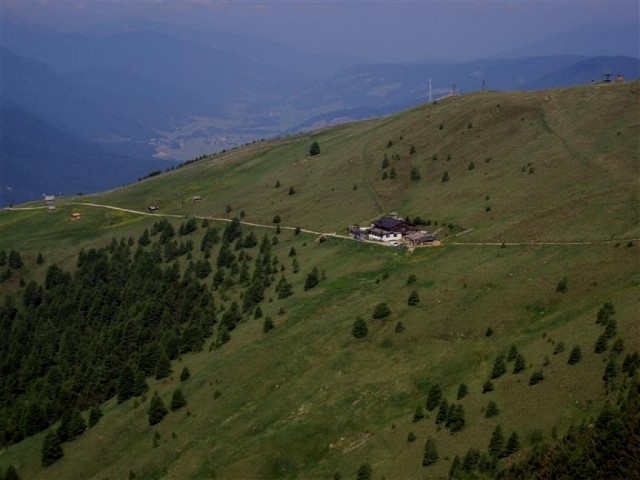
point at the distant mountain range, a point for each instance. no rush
(135, 89)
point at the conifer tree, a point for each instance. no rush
(126, 384)
(492, 409)
(267, 325)
(381, 311)
(434, 397)
(575, 356)
(51, 449)
(11, 473)
(454, 471)
(443, 409)
(313, 278)
(185, 374)
(418, 414)
(35, 420)
(413, 299)
(513, 444)
(95, 415)
(513, 353)
(456, 420)
(496, 444)
(462, 391)
(487, 386)
(430, 452)
(519, 364)
(163, 367)
(499, 367)
(364, 472)
(177, 400)
(359, 329)
(157, 410)
(601, 344)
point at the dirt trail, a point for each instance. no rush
(336, 234)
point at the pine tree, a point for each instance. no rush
(95, 415)
(454, 471)
(157, 410)
(519, 364)
(267, 325)
(51, 449)
(496, 444)
(413, 299)
(399, 327)
(443, 409)
(185, 374)
(601, 344)
(415, 174)
(125, 384)
(536, 377)
(35, 420)
(513, 444)
(434, 397)
(381, 311)
(364, 472)
(312, 279)
(513, 353)
(314, 149)
(456, 420)
(15, 261)
(492, 409)
(418, 414)
(40, 259)
(499, 367)
(487, 386)
(462, 391)
(11, 473)
(359, 329)
(430, 452)
(575, 356)
(177, 400)
(163, 367)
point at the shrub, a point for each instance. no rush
(487, 386)
(314, 149)
(381, 311)
(561, 287)
(536, 377)
(359, 329)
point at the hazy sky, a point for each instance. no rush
(402, 31)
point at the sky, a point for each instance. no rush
(381, 30)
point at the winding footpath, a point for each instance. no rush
(336, 234)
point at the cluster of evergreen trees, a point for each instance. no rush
(121, 316)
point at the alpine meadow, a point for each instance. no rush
(218, 320)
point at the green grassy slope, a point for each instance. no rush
(307, 399)
(582, 144)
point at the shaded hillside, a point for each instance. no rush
(39, 158)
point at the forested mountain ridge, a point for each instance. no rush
(303, 356)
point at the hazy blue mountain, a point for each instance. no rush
(587, 70)
(255, 49)
(217, 76)
(39, 89)
(591, 40)
(391, 84)
(39, 158)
